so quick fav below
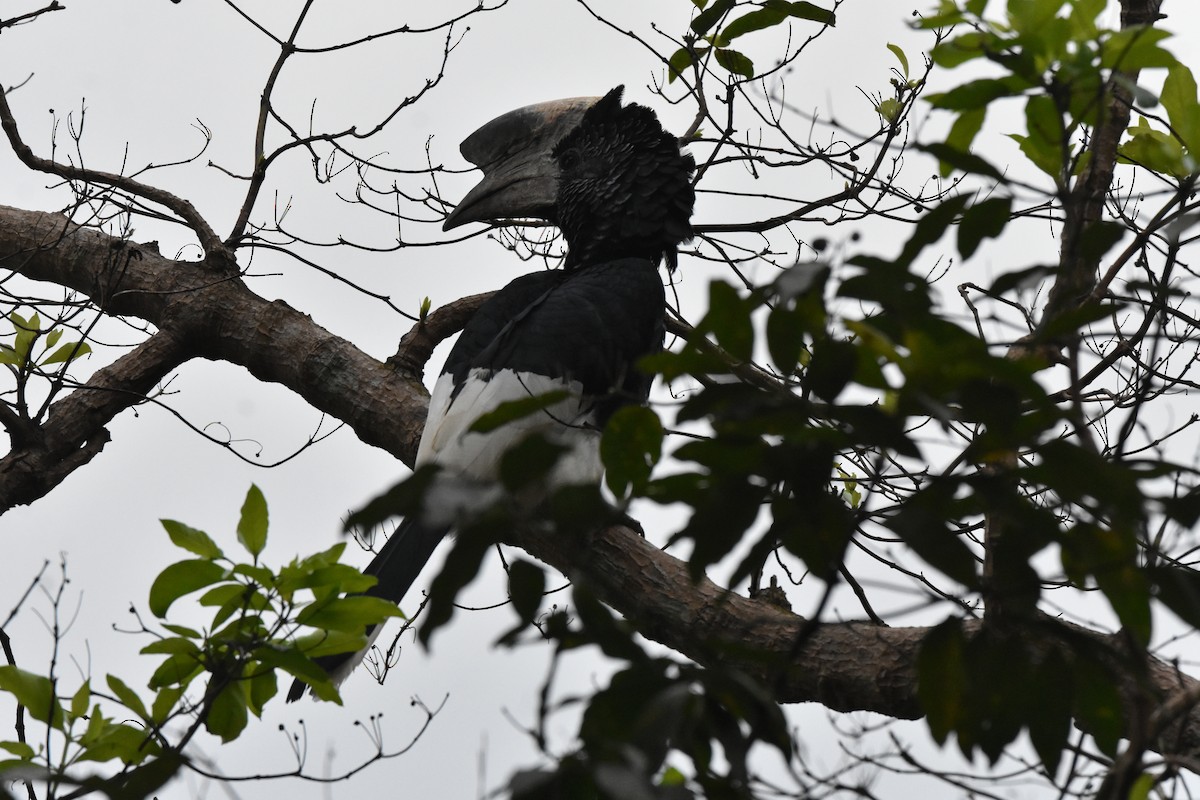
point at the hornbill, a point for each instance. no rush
(619, 188)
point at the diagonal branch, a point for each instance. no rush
(216, 316)
(849, 666)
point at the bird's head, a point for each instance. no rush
(608, 175)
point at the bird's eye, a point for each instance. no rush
(570, 159)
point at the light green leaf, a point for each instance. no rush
(81, 700)
(1179, 99)
(127, 696)
(1136, 48)
(68, 352)
(348, 614)
(190, 539)
(901, 57)
(164, 703)
(180, 578)
(35, 692)
(252, 526)
(890, 110)
(21, 750)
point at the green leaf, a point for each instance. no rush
(1138, 47)
(772, 13)
(706, 19)
(901, 57)
(252, 526)
(180, 578)
(68, 352)
(127, 696)
(960, 49)
(736, 62)
(984, 220)
(1179, 99)
(804, 10)
(977, 94)
(227, 716)
(513, 410)
(889, 110)
(107, 741)
(683, 58)
(165, 703)
(35, 692)
(753, 21)
(175, 670)
(630, 447)
(22, 750)
(192, 540)
(922, 523)
(348, 614)
(962, 134)
(171, 646)
(263, 686)
(1154, 150)
(1142, 786)
(80, 700)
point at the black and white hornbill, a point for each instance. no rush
(620, 190)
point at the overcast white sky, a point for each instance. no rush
(146, 70)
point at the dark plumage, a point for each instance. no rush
(620, 189)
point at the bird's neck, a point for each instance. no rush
(589, 252)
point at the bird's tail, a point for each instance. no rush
(396, 567)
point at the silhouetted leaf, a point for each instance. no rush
(709, 17)
(831, 368)
(630, 447)
(984, 220)
(526, 584)
(960, 159)
(942, 678)
(736, 62)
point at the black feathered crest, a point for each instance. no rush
(625, 188)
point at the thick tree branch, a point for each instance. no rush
(850, 666)
(1083, 206)
(214, 315)
(74, 432)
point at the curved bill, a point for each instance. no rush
(520, 177)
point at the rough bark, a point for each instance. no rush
(206, 312)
